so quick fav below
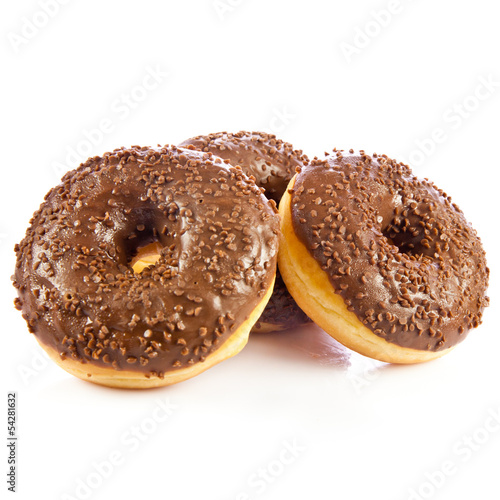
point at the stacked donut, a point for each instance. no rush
(145, 266)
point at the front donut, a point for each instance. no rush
(194, 307)
(382, 261)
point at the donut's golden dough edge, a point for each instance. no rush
(310, 286)
(133, 380)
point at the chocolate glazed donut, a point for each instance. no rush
(381, 260)
(194, 307)
(272, 162)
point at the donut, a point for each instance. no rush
(384, 262)
(105, 322)
(272, 162)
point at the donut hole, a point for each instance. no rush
(145, 231)
(146, 256)
(407, 237)
(397, 240)
(142, 246)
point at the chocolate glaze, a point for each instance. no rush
(282, 310)
(272, 162)
(398, 251)
(79, 294)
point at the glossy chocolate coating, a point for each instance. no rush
(273, 163)
(399, 252)
(270, 160)
(79, 294)
(282, 310)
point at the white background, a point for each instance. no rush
(412, 88)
